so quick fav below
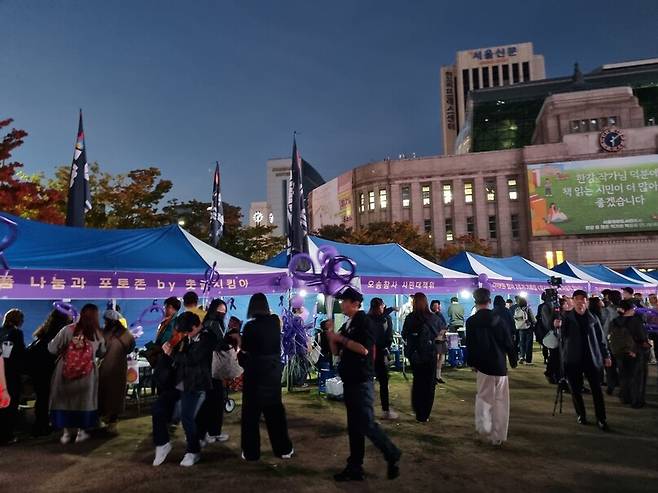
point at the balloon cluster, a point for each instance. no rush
(8, 239)
(67, 309)
(137, 327)
(336, 271)
(483, 281)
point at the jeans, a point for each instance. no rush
(382, 377)
(575, 379)
(359, 401)
(211, 415)
(163, 410)
(525, 345)
(422, 389)
(253, 405)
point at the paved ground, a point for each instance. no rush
(544, 453)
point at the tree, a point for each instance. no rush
(465, 243)
(20, 194)
(194, 216)
(335, 233)
(403, 233)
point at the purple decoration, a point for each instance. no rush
(211, 277)
(231, 304)
(8, 239)
(297, 302)
(330, 280)
(137, 327)
(67, 309)
(285, 282)
(650, 316)
(483, 278)
(294, 337)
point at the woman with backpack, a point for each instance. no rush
(113, 373)
(74, 388)
(524, 321)
(41, 365)
(421, 327)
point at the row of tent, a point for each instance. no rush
(45, 261)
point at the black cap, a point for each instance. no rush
(579, 292)
(350, 294)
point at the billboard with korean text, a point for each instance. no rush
(600, 196)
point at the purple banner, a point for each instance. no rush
(399, 285)
(35, 284)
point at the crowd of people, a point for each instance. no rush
(78, 368)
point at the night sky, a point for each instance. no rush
(178, 85)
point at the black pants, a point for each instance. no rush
(575, 379)
(253, 405)
(422, 389)
(633, 379)
(612, 376)
(41, 384)
(553, 366)
(211, 415)
(382, 377)
(359, 403)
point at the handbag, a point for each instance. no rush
(225, 365)
(550, 340)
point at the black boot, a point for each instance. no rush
(349, 474)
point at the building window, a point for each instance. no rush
(476, 78)
(505, 75)
(593, 124)
(406, 197)
(495, 72)
(490, 186)
(426, 192)
(371, 201)
(493, 232)
(466, 84)
(428, 226)
(468, 192)
(554, 258)
(515, 73)
(516, 232)
(485, 76)
(512, 189)
(383, 199)
(449, 235)
(526, 71)
(362, 202)
(470, 225)
(447, 193)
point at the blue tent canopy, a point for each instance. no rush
(640, 276)
(600, 274)
(388, 264)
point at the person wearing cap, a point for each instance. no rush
(113, 371)
(584, 352)
(355, 344)
(489, 342)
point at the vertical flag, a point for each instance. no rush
(79, 199)
(297, 226)
(216, 210)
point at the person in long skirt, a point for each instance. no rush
(113, 372)
(420, 330)
(260, 356)
(74, 402)
(41, 365)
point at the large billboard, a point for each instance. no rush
(331, 203)
(615, 195)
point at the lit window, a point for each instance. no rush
(493, 233)
(468, 192)
(406, 197)
(550, 262)
(428, 226)
(383, 199)
(449, 235)
(559, 257)
(425, 192)
(491, 191)
(447, 193)
(362, 202)
(512, 189)
(516, 232)
(371, 201)
(470, 225)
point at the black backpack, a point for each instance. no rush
(420, 348)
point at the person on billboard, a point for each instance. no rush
(555, 215)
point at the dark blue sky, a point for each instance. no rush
(178, 84)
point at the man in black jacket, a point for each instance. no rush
(189, 361)
(355, 343)
(584, 351)
(489, 341)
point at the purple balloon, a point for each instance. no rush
(483, 278)
(326, 252)
(285, 282)
(297, 302)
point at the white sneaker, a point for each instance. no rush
(289, 454)
(222, 437)
(190, 459)
(161, 453)
(82, 436)
(66, 437)
(390, 414)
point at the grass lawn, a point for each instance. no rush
(544, 453)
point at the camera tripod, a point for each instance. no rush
(562, 385)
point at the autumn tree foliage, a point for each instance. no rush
(465, 243)
(21, 194)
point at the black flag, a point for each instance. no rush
(297, 226)
(216, 210)
(79, 200)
